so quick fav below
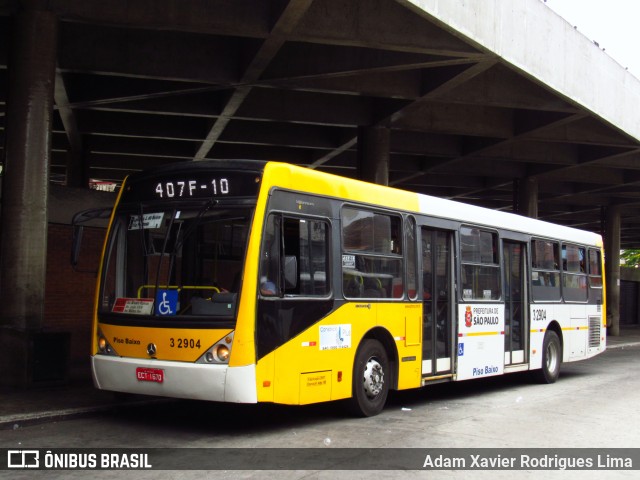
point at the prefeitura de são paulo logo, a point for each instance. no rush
(467, 317)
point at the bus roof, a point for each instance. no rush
(357, 190)
(299, 178)
(475, 215)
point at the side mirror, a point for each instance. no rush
(100, 214)
(76, 244)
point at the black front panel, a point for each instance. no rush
(280, 320)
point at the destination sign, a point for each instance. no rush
(194, 185)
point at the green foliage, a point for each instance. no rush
(630, 258)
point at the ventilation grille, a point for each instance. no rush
(595, 324)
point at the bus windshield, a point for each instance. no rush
(178, 260)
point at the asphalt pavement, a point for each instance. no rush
(77, 397)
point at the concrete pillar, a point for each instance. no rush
(637, 303)
(23, 239)
(373, 154)
(612, 268)
(526, 197)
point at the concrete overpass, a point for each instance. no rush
(497, 103)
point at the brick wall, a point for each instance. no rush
(70, 293)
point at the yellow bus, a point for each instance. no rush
(241, 281)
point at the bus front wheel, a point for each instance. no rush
(551, 358)
(371, 377)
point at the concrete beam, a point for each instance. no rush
(534, 40)
(286, 22)
(377, 23)
(373, 154)
(157, 54)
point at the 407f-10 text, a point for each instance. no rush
(190, 188)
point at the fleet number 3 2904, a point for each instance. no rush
(184, 343)
(539, 315)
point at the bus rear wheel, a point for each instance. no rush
(371, 376)
(551, 358)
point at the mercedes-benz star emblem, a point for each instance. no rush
(151, 349)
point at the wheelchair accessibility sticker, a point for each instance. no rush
(167, 302)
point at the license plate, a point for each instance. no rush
(150, 375)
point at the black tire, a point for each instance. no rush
(551, 359)
(371, 378)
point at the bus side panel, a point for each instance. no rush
(404, 322)
(583, 334)
(576, 333)
(541, 316)
(586, 336)
(480, 340)
(317, 365)
(264, 378)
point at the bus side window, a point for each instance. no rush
(295, 257)
(372, 254)
(545, 274)
(270, 257)
(595, 269)
(574, 275)
(480, 269)
(595, 277)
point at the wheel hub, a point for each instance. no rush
(373, 378)
(552, 357)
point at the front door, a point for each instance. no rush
(437, 288)
(515, 308)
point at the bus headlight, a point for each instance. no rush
(222, 353)
(104, 347)
(219, 352)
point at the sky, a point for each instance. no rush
(611, 23)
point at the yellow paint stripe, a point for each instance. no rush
(479, 334)
(565, 329)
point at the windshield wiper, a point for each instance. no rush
(164, 249)
(205, 208)
(179, 241)
(141, 225)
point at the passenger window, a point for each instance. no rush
(480, 267)
(545, 274)
(574, 275)
(595, 269)
(412, 255)
(295, 257)
(371, 254)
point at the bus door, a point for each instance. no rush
(516, 325)
(437, 298)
